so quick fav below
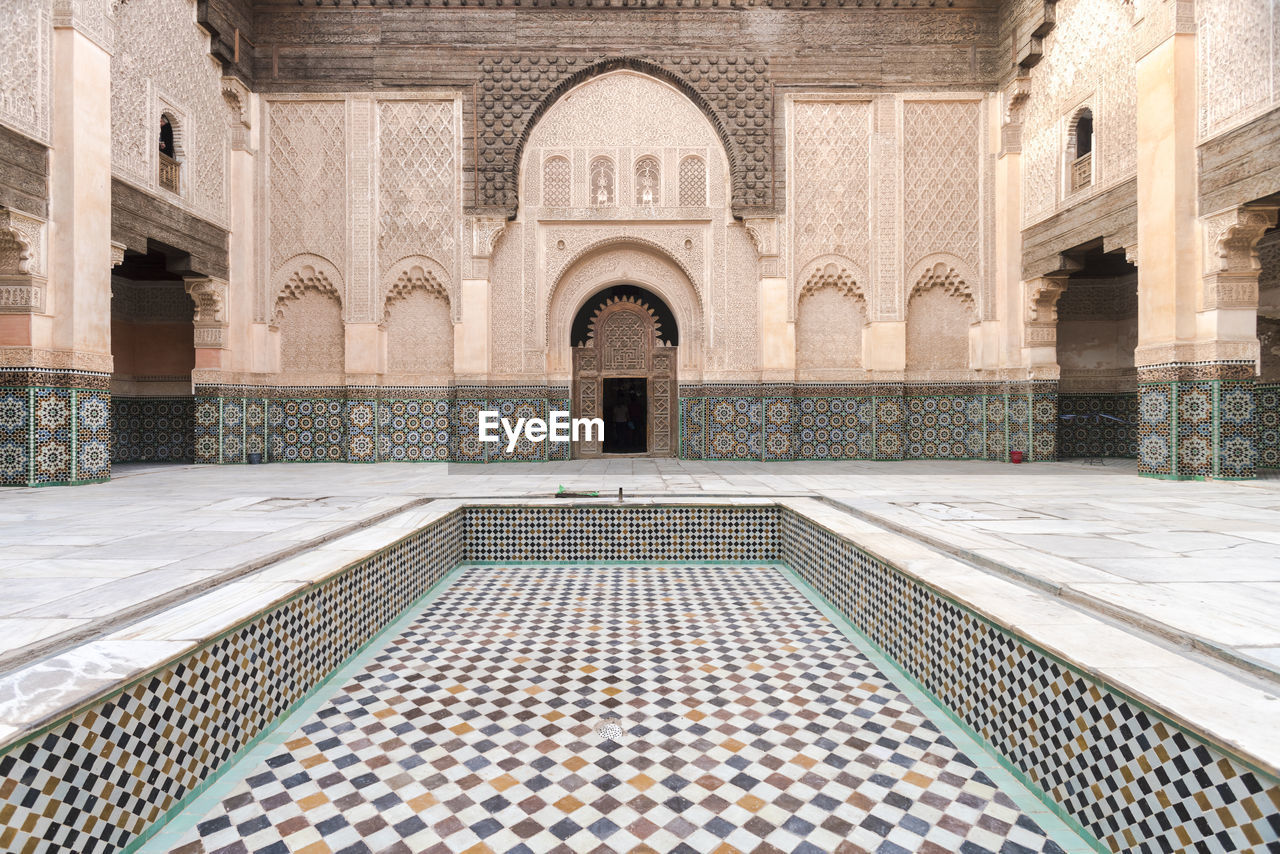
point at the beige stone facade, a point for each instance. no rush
(906, 252)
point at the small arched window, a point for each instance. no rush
(555, 182)
(603, 190)
(170, 176)
(693, 182)
(1080, 149)
(648, 182)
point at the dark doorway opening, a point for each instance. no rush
(626, 409)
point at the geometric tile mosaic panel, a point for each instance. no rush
(734, 428)
(414, 430)
(1267, 400)
(15, 425)
(52, 415)
(1155, 428)
(1044, 425)
(1098, 425)
(95, 782)
(1236, 406)
(93, 435)
(996, 426)
(58, 434)
(152, 429)
(835, 428)
(882, 422)
(606, 708)
(945, 427)
(360, 420)
(1135, 781)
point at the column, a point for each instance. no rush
(55, 391)
(1196, 355)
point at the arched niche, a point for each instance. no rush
(630, 121)
(624, 264)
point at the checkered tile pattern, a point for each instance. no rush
(510, 533)
(94, 783)
(1135, 781)
(749, 724)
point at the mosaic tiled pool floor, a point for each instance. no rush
(484, 722)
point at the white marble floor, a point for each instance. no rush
(1198, 562)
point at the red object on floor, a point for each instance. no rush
(1015, 456)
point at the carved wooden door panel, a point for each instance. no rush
(587, 396)
(662, 403)
(624, 342)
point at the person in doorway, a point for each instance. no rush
(166, 136)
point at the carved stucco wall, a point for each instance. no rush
(937, 335)
(634, 120)
(1269, 306)
(26, 43)
(829, 321)
(162, 65)
(830, 187)
(1238, 45)
(886, 187)
(513, 93)
(369, 187)
(1089, 61)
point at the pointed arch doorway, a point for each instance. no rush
(625, 345)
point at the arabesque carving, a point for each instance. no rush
(162, 63)
(733, 92)
(308, 274)
(22, 263)
(27, 47)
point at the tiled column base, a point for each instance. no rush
(1198, 421)
(1267, 398)
(55, 427)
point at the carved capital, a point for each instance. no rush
(485, 232)
(1014, 100)
(1231, 238)
(236, 94)
(1042, 302)
(210, 297)
(117, 254)
(766, 234)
